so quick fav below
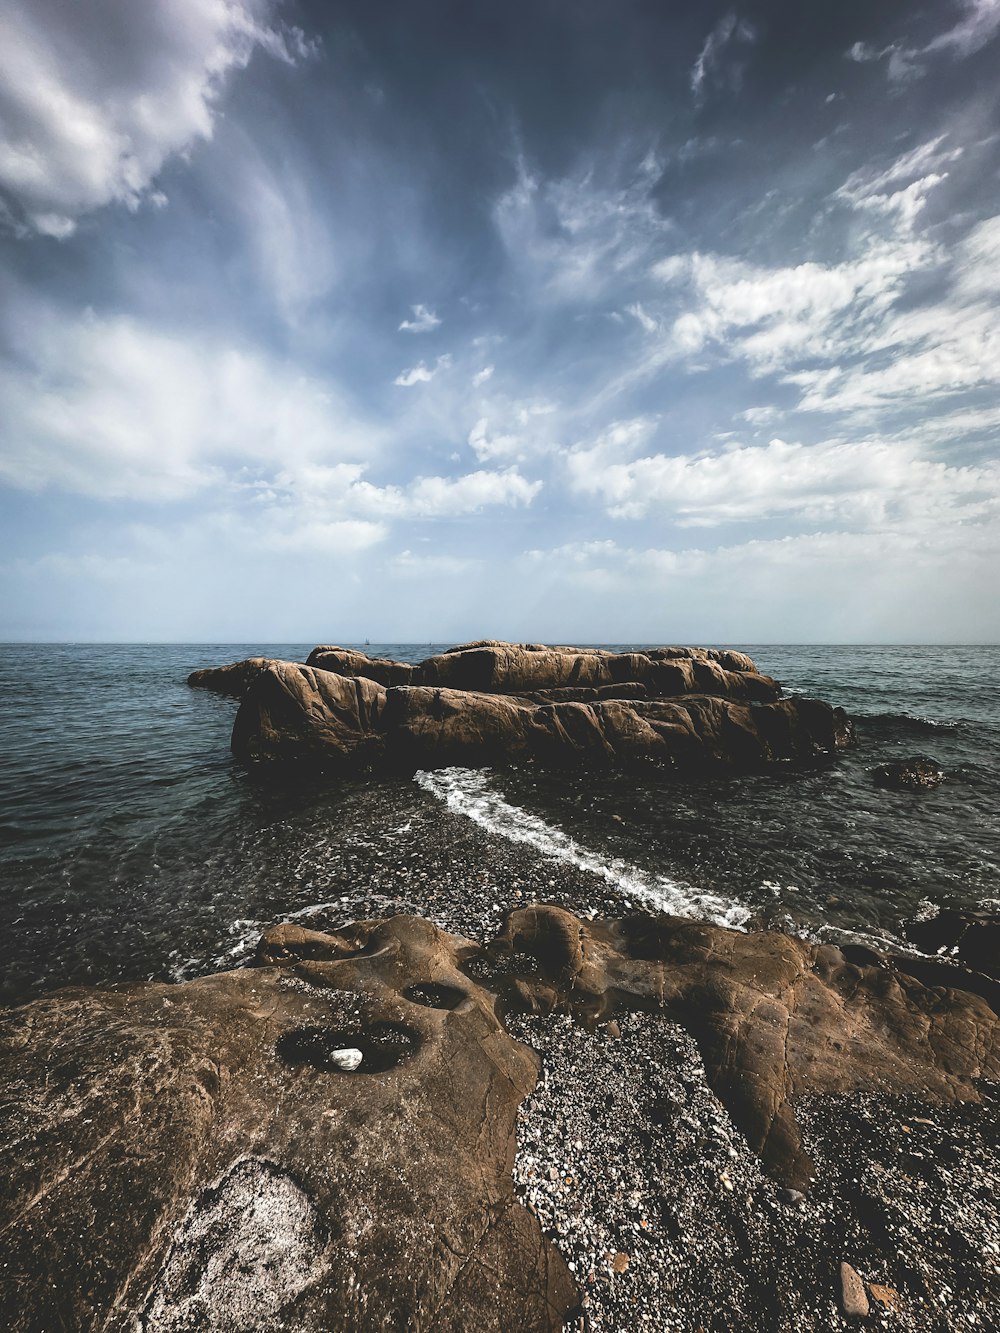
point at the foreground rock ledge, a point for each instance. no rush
(196, 1156)
(510, 703)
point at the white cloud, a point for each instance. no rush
(979, 26)
(866, 483)
(108, 406)
(481, 376)
(572, 239)
(885, 192)
(646, 320)
(711, 65)
(95, 98)
(897, 584)
(422, 373)
(416, 566)
(333, 493)
(423, 321)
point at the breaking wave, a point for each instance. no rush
(468, 792)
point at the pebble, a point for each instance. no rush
(346, 1059)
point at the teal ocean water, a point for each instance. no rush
(132, 845)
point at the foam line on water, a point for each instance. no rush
(469, 792)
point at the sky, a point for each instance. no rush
(426, 320)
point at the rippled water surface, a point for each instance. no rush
(132, 845)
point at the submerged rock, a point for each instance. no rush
(970, 938)
(918, 773)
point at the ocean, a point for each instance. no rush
(133, 846)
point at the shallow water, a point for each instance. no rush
(132, 844)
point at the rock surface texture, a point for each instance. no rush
(494, 703)
(203, 1156)
(190, 1157)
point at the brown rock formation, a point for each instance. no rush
(191, 1156)
(493, 667)
(346, 662)
(775, 1018)
(294, 712)
(233, 680)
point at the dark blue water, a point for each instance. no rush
(132, 845)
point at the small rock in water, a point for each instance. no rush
(853, 1300)
(914, 774)
(347, 1059)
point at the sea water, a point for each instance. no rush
(133, 845)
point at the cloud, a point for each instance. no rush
(423, 321)
(109, 406)
(647, 321)
(711, 66)
(884, 191)
(866, 483)
(979, 26)
(895, 584)
(574, 240)
(319, 492)
(95, 98)
(481, 376)
(421, 373)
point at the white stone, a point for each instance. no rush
(347, 1059)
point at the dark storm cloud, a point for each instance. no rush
(322, 305)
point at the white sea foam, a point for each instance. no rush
(469, 792)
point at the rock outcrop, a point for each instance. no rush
(233, 680)
(291, 712)
(775, 1018)
(325, 1140)
(493, 667)
(190, 1157)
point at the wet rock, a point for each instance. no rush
(775, 1018)
(917, 773)
(972, 938)
(853, 1300)
(191, 1156)
(179, 1155)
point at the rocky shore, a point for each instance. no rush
(489, 1096)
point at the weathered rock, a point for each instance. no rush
(853, 1300)
(196, 1156)
(494, 667)
(346, 662)
(918, 773)
(294, 712)
(187, 1156)
(505, 668)
(775, 1018)
(233, 680)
